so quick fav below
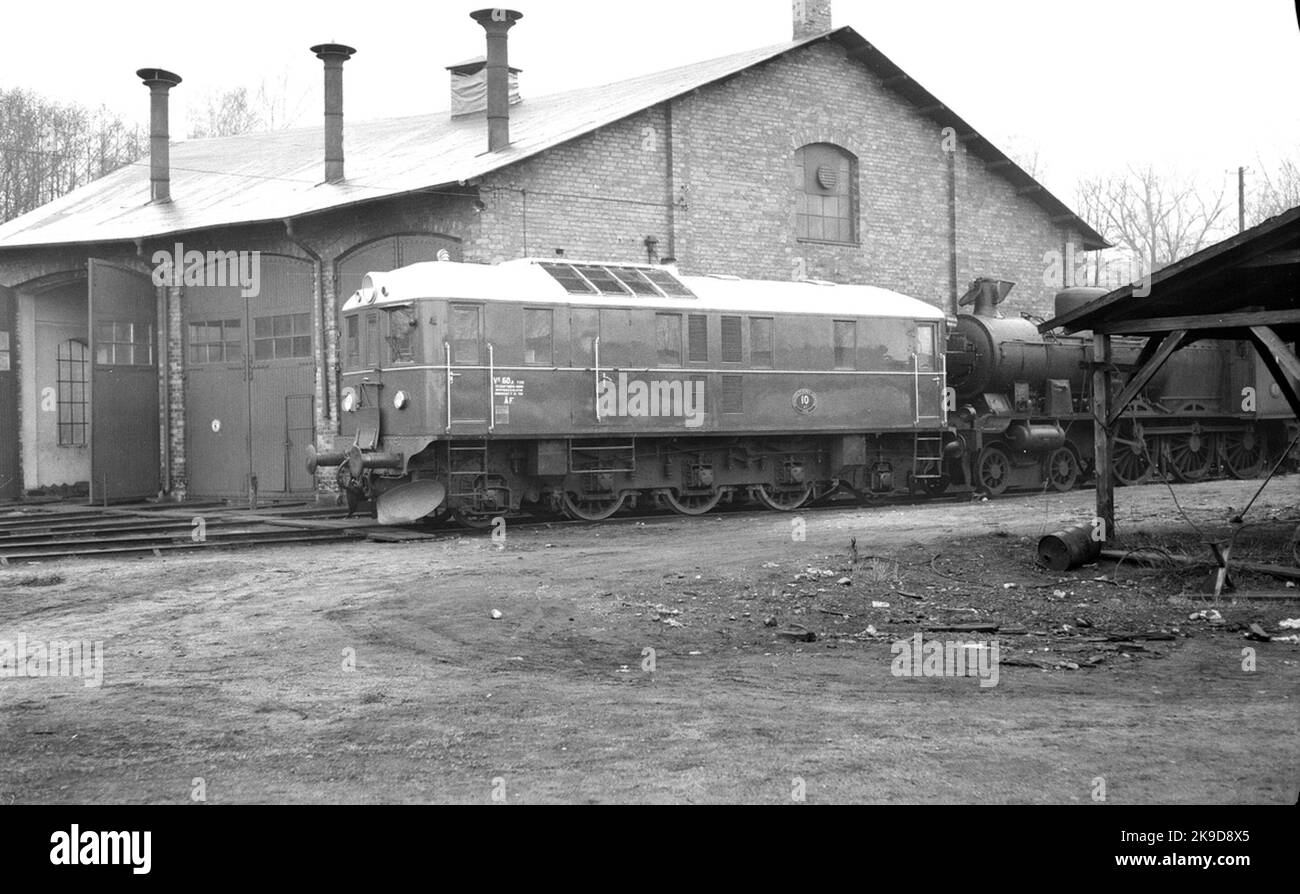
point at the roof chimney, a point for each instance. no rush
(496, 22)
(333, 55)
(159, 82)
(469, 86)
(811, 17)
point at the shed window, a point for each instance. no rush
(826, 194)
(538, 338)
(216, 341)
(72, 362)
(282, 336)
(846, 344)
(123, 344)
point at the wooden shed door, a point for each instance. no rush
(10, 485)
(124, 460)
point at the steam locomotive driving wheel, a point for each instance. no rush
(1244, 453)
(1131, 462)
(1063, 469)
(993, 470)
(1191, 454)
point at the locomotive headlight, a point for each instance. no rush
(349, 400)
(400, 400)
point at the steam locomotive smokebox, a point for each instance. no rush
(1069, 549)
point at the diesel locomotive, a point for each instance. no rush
(550, 386)
(580, 388)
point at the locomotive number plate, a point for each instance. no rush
(804, 401)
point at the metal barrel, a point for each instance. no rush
(1069, 548)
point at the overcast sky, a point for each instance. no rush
(1191, 85)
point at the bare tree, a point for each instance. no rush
(1158, 218)
(49, 148)
(1275, 191)
(272, 105)
(1025, 152)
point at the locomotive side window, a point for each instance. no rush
(539, 345)
(403, 335)
(352, 343)
(732, 348)
(925, 353)
(466, 334)
(760, 342)
(668, 339)
(846, 344)
(697, 338)
(370, 341)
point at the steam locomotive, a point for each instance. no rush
(1024, 404)
(550, 386)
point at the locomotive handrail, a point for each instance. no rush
(492, 380)
(447, 345)
(916, 386)
(595, 347)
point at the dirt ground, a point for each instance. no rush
(634, 662)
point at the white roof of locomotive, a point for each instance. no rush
(525, 280)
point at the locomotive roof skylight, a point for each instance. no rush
(596, 279)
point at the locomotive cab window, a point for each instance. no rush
(697, 338)
(403, 335)
(925, 347)
(845, 339)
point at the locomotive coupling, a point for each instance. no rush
(315, 460)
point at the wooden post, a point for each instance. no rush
(1102, 442)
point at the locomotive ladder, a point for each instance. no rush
(927, 446)
(467, 461)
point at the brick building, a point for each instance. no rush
(817, 158)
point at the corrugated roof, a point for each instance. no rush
(254, 178)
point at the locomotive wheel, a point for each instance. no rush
(1190, 455)
(691, 504)
(933, 487)
(1063, 469)
(782, 500)
(1244, 453)
(588, 509)
(993, 470)
(1131, 462)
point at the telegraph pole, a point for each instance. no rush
(1241, 199)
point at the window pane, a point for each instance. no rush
(263, 349)
(732, 352)
(538, 344)
(302, 346)
(846, 344)
(632, 278)
(403, 329)
(282, 325)
(698, 338)
(760, 342)
(668, 339)
(465, 335)
(352, 351)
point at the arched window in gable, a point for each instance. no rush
(826, 187)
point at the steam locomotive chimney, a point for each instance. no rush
(986, 299)
(811, 17)
(333, 55)
(159, 82)
(496, 22)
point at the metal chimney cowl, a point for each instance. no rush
(497, 22)
(159, 81)
(333, 55)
